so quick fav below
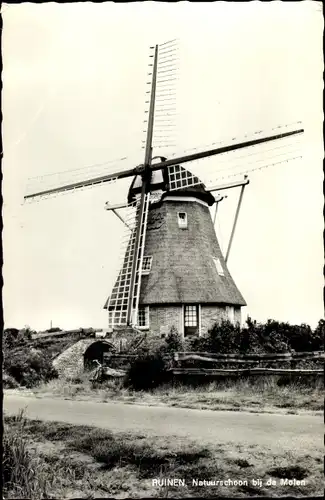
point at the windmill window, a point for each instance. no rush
(182, 220)
(191, 320)
(146, 264)
(143, 317)
(219, 267)
(190, 316)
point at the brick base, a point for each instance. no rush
(163, 318)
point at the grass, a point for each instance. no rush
(263, 394)
(84, 462)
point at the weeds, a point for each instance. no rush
(22, 473)
(262, 394)
(290, 472)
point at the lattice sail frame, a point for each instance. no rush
(119, 301)
(122, 297)
(236, 163)
(168, 73)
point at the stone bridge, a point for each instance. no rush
(72, 362)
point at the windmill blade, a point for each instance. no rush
(211, 171)
(111, 177)
(83, 183)
(221, 187)
(124, 299)
(136, 254)
(224, 149)
(165, 121)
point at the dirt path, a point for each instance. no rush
(298, 433)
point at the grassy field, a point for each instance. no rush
(55, 460)
(263, 395)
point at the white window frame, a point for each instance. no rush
(147, 318)
(148, 269)
(219, 267)
(199, 317)
(182, 223)
(231, 314)
(182, 321)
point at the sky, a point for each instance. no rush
(74, 83)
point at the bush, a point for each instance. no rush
(151, 368)
(29, 368)
(12, 337)
(224, 337)
(9, 382)
(318, 336)
(172, 343)
(270, 337)
(147, 372)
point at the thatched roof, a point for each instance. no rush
(183, 269)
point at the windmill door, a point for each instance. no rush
(191, 320)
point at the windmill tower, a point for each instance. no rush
(185, 282)
(173, 272)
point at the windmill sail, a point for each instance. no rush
(123, 297)
(157, 182)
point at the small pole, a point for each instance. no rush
(121, 219)
(218, 199)
(215, 213)
(235, 220)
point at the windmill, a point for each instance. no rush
(173, 271)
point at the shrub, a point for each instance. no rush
(28, 368)
(171, 344)
(318, 336)
(269, 337)
(223, 337)
(147, 372)
(12, 337)
(151, 367)
(9, 382)
(272, 336)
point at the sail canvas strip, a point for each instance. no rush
(166, 96)
(239, 164)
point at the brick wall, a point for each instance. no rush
(162, 318)
(210, 315)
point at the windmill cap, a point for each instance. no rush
(165, 180)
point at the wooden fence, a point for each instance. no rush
(249, 364)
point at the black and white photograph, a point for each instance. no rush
(162, 184)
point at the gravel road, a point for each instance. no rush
(298, 433)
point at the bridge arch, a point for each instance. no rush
(73, 361)
(95, 352)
